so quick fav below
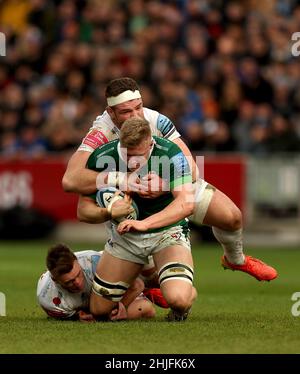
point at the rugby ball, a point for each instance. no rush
(104, 197)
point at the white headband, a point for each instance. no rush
(124, 96)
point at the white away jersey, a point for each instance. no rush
(104, 130)
(60, 303)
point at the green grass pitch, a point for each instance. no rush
(234, 313)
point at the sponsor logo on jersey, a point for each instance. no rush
(95, 138)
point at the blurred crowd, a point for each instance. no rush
(223, 71)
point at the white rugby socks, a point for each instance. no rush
(232, 243)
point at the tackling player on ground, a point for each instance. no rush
(64, 290)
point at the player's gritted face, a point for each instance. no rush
(121, 112)
(138, 156)
(74, 280)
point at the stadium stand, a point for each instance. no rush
(221, 70)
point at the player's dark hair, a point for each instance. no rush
(60, 260)
(119, 85)
(134, 130)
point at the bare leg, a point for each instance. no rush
(140, 308)
(179, 293)
(112, 270)
(215, 209)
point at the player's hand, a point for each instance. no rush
(131, 225)
(126, 182)
(155, 185)
(122, 207)
(118, 313)
(132, 183)
(85, 317)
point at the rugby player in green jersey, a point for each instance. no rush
(162, 230)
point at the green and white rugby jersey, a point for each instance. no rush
(166, 160)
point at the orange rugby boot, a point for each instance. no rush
(252, 266)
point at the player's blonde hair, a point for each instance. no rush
(134, 130)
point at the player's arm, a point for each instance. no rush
(122, 311)
(185, 150)
(182, 206)
(133, 292)
(149, 274)
(153, 179)
(168, 131)
(88, 211)
(82, 180)
(77, 177)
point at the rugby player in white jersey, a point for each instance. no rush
(63, 291)
(212, 208)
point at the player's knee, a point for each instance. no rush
(230, 219)
(177, 279)
(179, 300)
(194, 294)
(234, 219)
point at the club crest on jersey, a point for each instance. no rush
(176, 235)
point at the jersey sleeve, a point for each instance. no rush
(104, 158)
(94, 138)
(100, 133)
(51, 301)
(92, 165)
(56, 311)
(167, 128)
(91, 162)
(180, 172)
